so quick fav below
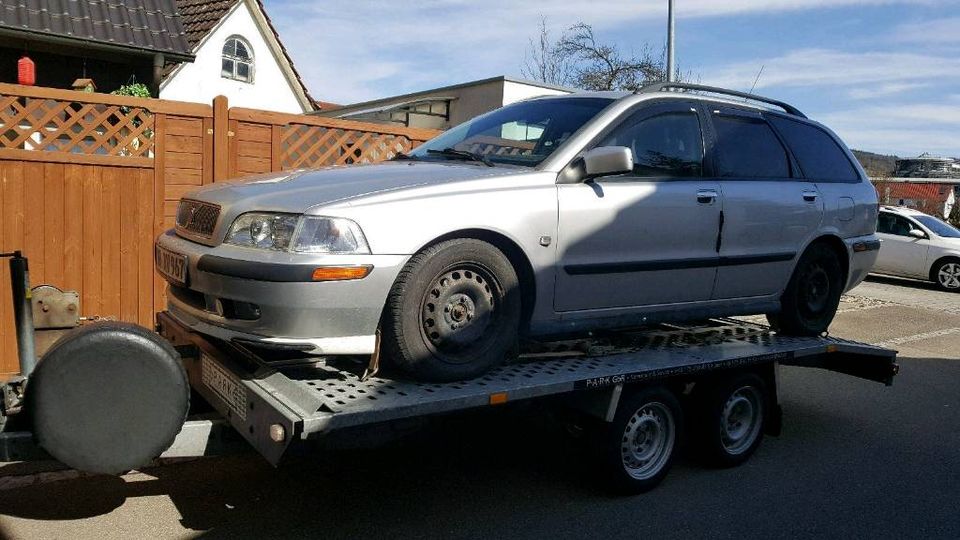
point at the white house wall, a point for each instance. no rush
(514, 91)
(200, 81)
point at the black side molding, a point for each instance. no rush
(674, 264)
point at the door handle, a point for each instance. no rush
(706, 196)
(810, 196)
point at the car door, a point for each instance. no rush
(900, 253)
(768, 213)
(647, 237)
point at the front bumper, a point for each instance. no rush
(863, 251)
(335, 317)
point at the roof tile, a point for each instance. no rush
(146, 25)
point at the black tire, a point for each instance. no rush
(945, 274)
(631, 465)
(810, 300)
(728, 420)
(453, 312)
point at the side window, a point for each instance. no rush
(818, 153)
(748, 148)
(893, 224)
(666, 145)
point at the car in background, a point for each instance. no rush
(919, 246)
(551, 216)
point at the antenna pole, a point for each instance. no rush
(671, 76)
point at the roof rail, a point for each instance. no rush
(661, 86)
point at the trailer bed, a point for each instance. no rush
(304, 398)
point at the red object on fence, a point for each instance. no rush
(26, 71)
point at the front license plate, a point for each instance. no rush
(172, 265)
(224, 384)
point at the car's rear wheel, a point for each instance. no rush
(946, 274)
(453, 312)
(810, 300)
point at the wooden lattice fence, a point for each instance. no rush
(87, 182)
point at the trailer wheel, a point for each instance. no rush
(728, 420)
(638, 447)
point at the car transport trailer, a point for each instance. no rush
(110, 397)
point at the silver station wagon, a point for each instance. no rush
(552, 216)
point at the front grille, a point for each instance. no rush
(197, 217)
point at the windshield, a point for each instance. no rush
(523, 134)
(938, 227)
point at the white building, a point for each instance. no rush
(238, 55)
(445, 107)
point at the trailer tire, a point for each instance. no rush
(638, 447)
(108, 398)
(728, 420)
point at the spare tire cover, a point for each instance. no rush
(108, 398)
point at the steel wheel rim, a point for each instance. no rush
(815, 290)
(647, 441)
(459, 309)
(949, 276)
(740, 419)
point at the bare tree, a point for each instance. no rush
(578, 59)
(543, 62)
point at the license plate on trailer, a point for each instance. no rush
(224, 384)
(172, 265)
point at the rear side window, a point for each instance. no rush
(820, 157)
(748, 148)
(888, 223)
(667, 145)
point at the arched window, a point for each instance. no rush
(237, 63)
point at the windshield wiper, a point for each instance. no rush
(463, 154)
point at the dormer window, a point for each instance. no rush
(237, 61)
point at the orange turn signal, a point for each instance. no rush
(341, 273)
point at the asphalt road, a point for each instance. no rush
(855, 460)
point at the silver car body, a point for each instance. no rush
(556, 227)
(908, 256)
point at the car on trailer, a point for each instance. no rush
(552, 216)
(109, 397)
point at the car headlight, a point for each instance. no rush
(264, 231)
(330, 235)
(291, 232)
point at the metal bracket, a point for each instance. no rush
(374, 367)
(601, 404)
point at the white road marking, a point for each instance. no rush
(918, 337)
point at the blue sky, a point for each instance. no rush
(885, 74)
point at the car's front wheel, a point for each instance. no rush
(946, 274)
(810, 300)
(453, 312)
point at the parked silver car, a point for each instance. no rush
(556, 215)
(918, 246)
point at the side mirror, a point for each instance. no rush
(605, 160)
(917, 233)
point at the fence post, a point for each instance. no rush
(221, 141)
(276, 158)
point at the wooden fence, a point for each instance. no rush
(87, 181)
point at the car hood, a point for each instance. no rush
(297, 191)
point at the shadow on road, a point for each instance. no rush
(855, 459)
(903, 282)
